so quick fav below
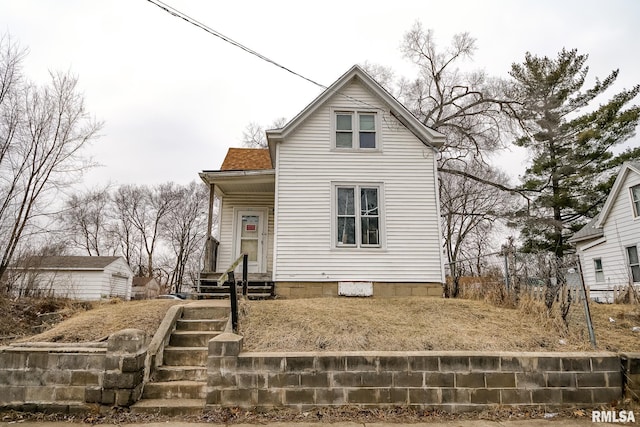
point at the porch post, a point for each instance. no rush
(208, 248)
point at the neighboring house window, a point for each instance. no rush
(358, 216)
(634, 263)
(597, 264)
(635, 198)
(356, 130)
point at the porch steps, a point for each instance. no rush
(255, 289)
(179, 385)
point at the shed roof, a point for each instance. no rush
(239, 159)
(68, 262)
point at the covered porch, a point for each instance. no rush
(240, 221)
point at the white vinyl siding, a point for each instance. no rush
(308, 167)
(244, 202)
(621, 230)
(89, 285)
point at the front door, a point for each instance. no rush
(250, 236)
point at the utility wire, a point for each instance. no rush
(175, 12)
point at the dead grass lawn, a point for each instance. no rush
(408, 324)
(107, 318)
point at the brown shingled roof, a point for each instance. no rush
(246, 159)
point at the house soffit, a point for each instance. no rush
(230, 182)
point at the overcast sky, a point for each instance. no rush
(174, 98)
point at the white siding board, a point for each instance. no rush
(307, 167)
(621, 230)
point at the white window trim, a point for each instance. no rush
(634, 208)
(355, 144)
(381, 217)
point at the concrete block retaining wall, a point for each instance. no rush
(452, 381)
(66, 379)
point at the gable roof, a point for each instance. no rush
(428, 136)
(238, 159)
(142, 281)
(68, 262)
(627, 167)
(588, 232)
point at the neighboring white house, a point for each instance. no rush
(347, 192)
(609, 246)
(76, 277)
(144, 288)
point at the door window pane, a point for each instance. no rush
(250, 247)
(249, 226)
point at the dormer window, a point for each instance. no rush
(356, 130)
(635, 200)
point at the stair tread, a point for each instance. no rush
(177, 332)
(222, 319)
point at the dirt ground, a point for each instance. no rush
(395, 324)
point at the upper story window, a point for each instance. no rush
(635, 199)
(356, 130)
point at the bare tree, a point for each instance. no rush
(469, 211)
(254, 137)
(184, 229)
(85, 221)
(141, 210)
(42, 133)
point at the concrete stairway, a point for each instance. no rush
(178, 387)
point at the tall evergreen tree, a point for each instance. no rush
(570, 141)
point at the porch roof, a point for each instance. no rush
(243, 181)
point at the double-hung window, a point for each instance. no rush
(635, 200)
(356, 130)
(358, 221)
(597, 265)
(634, 263)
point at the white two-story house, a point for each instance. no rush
(344, 200)
(609, 245)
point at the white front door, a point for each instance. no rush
(250, 236)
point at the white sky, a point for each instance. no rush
(174, 98)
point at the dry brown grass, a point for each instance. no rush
(407, 324)
(105, 319)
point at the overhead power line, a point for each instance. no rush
(178, 14)
(175, 12)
